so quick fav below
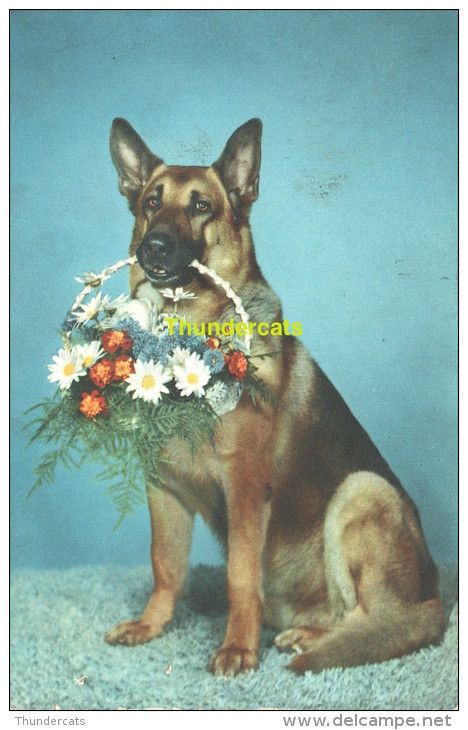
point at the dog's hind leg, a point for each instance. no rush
(362, 638)
(380, 579)
(171, 526)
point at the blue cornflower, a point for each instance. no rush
(130, 326)
(194, 343)
(166, 345)
(146, 347)
(214, 359)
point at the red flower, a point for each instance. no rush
(123, 367)
(102, 373)
(237, 364)
(213, 343)
(92, 404)
(113, 340)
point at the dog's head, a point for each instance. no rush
(182, 212)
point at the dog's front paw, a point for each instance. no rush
(228, 661)
(131, 633)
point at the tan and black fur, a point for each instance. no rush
(323, 544)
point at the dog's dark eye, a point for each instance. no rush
(202, 206)
(154, 203)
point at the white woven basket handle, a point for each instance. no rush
(231, 294)
(94, 281)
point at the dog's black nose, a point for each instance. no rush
(158, 245)
(156, 249)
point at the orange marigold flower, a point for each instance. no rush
(123, 367)
(113, 340)
(92, 404)
(237, 364)
(213, 343)
(102, 372)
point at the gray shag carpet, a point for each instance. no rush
(59, 617)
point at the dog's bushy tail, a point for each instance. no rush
(384, 633)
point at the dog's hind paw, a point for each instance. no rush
(298, 639)
(311, 661)
(130, 633)
(231, 660)
(303, 663)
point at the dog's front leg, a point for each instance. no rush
(171, 529)
(248, 512)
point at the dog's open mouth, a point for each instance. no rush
(157, 272)
(161, 276)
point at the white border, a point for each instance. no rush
(210, 718)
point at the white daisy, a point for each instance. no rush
(88, 311)
(178, 357)
(89, 353)
(178, 294)
(89, 278)
(191, 376)
(66, 368)
(148, 380)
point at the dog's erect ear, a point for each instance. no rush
(239, 165)
(133, 160)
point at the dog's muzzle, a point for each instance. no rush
(165, 258)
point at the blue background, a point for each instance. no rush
(355, 227)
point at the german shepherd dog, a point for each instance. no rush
(323, 544)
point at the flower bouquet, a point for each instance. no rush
(127, 386)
